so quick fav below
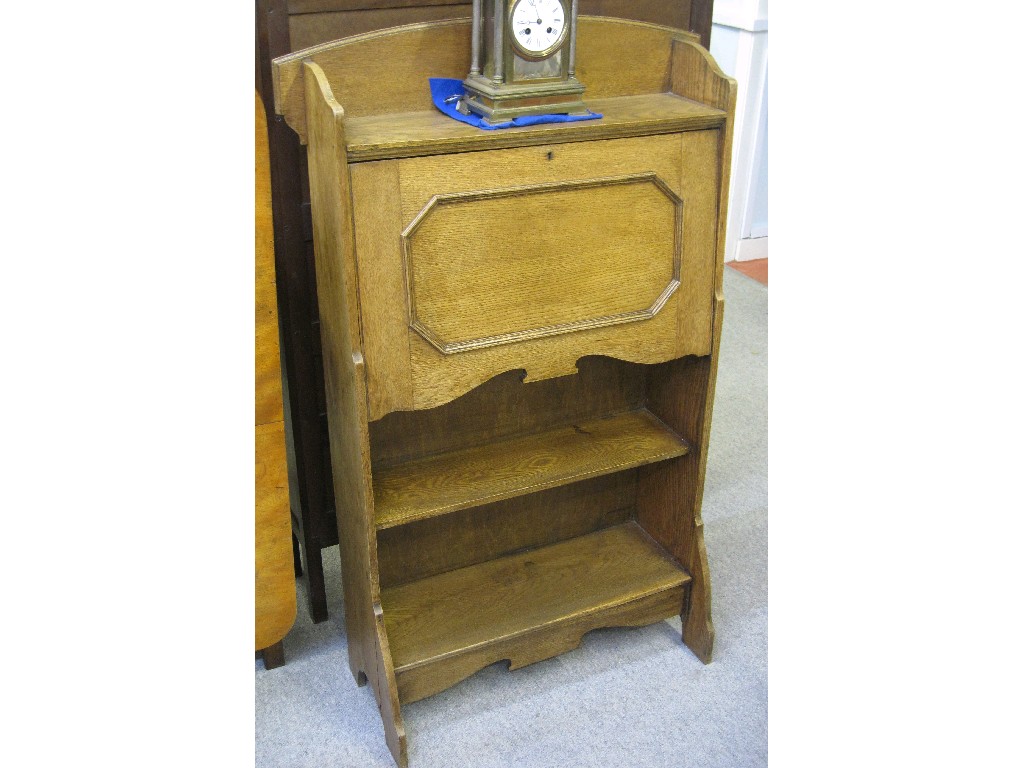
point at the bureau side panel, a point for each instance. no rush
(345, 385)
(376, 205)
(699, 187)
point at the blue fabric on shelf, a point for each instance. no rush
(442, 88)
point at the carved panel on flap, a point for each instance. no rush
(528, 258)
(491, 267)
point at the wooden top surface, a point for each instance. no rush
(387, 72)
(408, 134)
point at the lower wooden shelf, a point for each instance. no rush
(526, 607)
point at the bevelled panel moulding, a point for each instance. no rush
(497, 266)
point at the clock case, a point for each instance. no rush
(504, 82)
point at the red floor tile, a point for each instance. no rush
(757, 269)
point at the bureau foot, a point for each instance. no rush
(296, 555)
(699, 637)
(386, 690)
(273, 655)
(315, 581)
(698, 630)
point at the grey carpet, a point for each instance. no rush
(626, 697)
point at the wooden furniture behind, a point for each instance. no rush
(275, 577)
(520, 332)
(283, 26)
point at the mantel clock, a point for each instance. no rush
(523, 59)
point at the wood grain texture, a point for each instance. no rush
(697, 76)
(315, 28)
(446, 627)
(275, 573)
(275, 576)
(602, 43)
(345, 385)
(353, 67)
(682, 326)
(676, 14)
(269, 405)
(506, 407)
(702, 260)
(528, 275)
(314, 22)
(475, 485)
(310, 489)
(470, 477)
(539, 644)
(470, 536)
(382, 284)
(442, 49)
(379, 137)
(682, 392)
(322, 6)
(669, 496)
(694, 74)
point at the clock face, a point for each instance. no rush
(538, 26)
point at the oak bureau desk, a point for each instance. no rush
(520, 334)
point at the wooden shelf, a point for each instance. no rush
(467, 478)
(526, 607)
(406, 134)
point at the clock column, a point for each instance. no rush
(572, 39)
(499, 47)
(474, 59)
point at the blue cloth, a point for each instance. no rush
(442, 88)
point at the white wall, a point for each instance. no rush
(739, 43)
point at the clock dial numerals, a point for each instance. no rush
(538, 25)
